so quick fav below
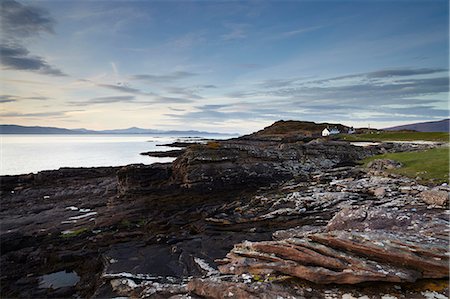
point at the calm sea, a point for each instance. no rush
(21, 154)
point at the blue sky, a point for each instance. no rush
(223, 66)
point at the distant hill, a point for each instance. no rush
(431, 126)
(15, 129)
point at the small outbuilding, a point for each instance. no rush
(328, 131)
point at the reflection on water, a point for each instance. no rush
(21, 154)
(58, 280)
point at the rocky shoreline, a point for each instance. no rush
(262, 216)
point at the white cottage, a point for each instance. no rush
(328, 131)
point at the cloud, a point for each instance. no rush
(217, 113)
(169, 100)
(176, 109)
(152, 78)
(404, 72)
(104, 100)
(16, 57)
(208, 86)
(385, 95)
(6, 98)
(39, 114)
(300, 31)
(149, 99)
(387, 73)
(20, 20)
(274, 83)
(185, 91)
(382, 86)
(121, 88)
(236, 32)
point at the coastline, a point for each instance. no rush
(225, 216)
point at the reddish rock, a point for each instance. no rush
(344, 257)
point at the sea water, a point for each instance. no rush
(22, 154)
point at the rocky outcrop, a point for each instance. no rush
(229, 164)
(289, 216)
(164, 154)
(390, 237)
(140, 178)
(344, 257)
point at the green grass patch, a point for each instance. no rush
(71, 234)
(398, 136)
(431, 166)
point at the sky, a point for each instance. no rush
(223, 66)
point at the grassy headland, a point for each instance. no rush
(398, 136)
(432, 166)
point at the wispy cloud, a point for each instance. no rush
(59, 114)
(299, 31)
(121, 88)
(163, 78)
(104, 100)
(387, 73)
(396, 94)
(6, 98)
(235, 32)
(16, 57)
(20, 21)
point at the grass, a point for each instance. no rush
(398, 135)
(213, 145)
(431, 166)
(74, 233)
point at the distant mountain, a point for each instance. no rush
(15, 129)
(431, 126)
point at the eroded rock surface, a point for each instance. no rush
(266, 215)
(229, 164)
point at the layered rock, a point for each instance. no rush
(318, 227)
(344, 257)
(393, 236)
(229, 164)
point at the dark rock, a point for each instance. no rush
(163, 154)
(182, 144)
(307, 211)
(140, 178)
(239, 162)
